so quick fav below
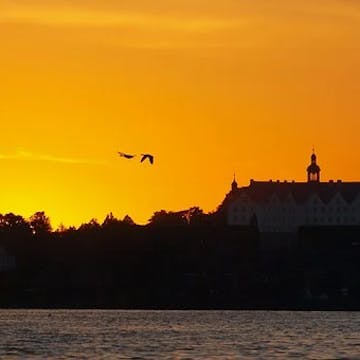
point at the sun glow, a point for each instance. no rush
(209, 88)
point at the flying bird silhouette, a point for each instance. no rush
(147, 156)
(126, 156)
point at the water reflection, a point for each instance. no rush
(178, 334)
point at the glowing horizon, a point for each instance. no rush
(210, 88)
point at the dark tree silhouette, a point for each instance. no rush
(179, 262)
(93, 224)
(195, 216)
(171, 218)
(40, 224)
(12, 221)
(109, 220)
(191, 216)
(128, 220)
(14, 227)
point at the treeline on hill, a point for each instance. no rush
(185, 259)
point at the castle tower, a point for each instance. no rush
(313, 170)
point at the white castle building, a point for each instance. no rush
(285, 206)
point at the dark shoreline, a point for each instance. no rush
(186, 267)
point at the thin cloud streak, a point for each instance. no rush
(74, 17)
(25, 155)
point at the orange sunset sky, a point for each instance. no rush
(209, 87)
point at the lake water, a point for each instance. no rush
(108, 334)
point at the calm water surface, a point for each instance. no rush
(102, 334)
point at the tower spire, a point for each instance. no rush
(234, 184)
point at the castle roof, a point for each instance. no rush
(263, 191)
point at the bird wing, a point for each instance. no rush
(147, 156)
(127, 156)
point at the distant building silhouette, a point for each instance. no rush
(285, 206)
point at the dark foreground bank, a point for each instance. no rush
(183, 267)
